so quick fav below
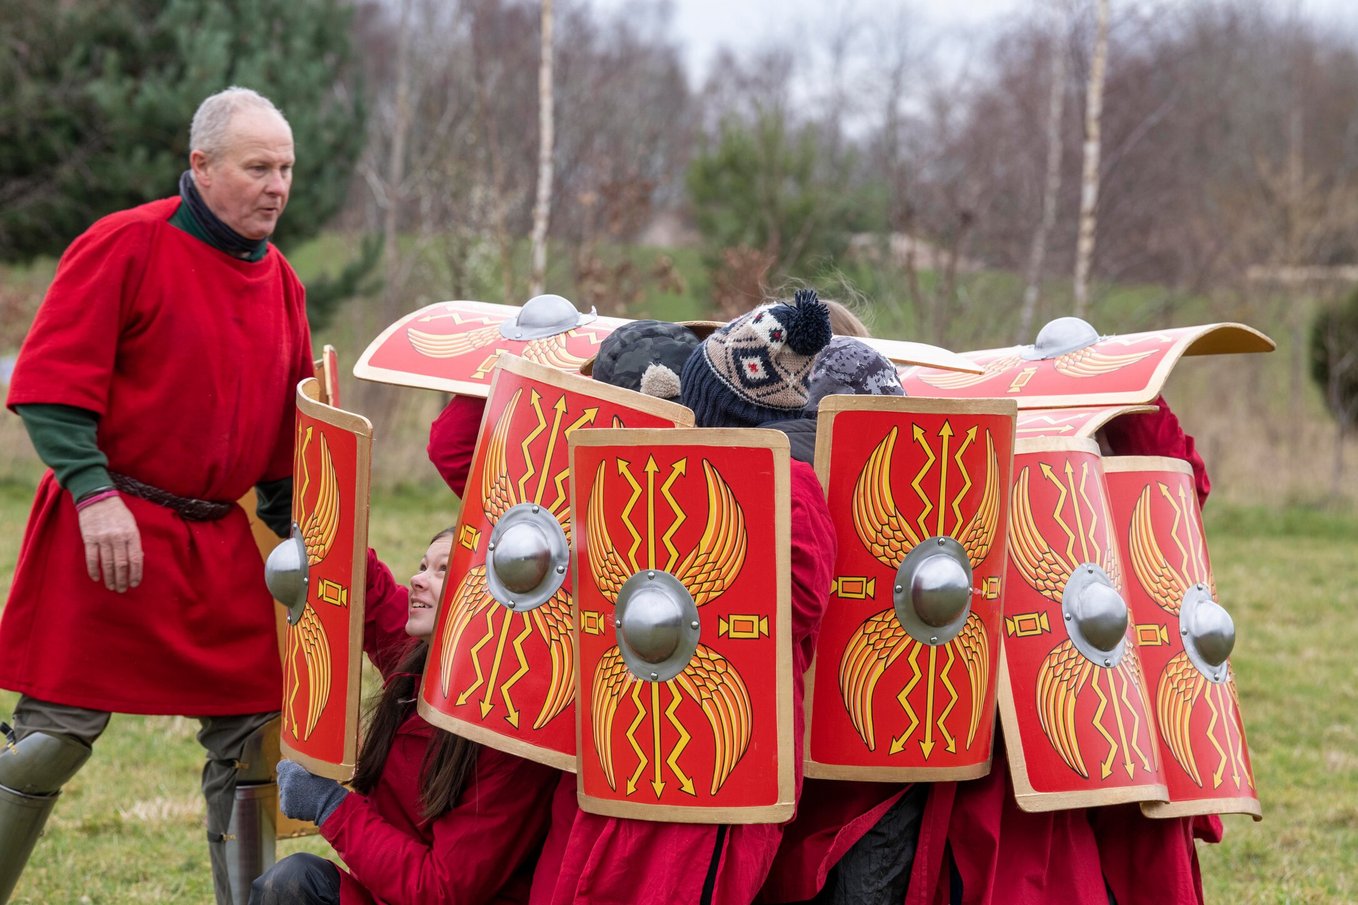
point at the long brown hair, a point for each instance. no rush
(448, 760)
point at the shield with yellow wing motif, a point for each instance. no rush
(323, 646)
(1070, 364)
(1078, 721)
(501, 661)
(685, 645)
(453, 346)
(903, 683)
(1184, 638)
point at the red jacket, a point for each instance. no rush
(588, 858)
(479, 851)
(190, 359)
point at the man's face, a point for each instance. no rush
(247, 183)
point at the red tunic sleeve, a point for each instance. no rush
(452, 440)
(386, 611)
(475, 849)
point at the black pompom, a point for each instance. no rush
(808, 326)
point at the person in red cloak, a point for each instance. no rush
(433, 818)
(157, 382)
(979, 848)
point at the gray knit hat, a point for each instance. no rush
(852, 367)
(755, 368)
(647, 356)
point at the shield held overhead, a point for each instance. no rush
(319, 575)
(501, 661)
(1184, 638)
(685, 651)
(1077, 718)
(903, 684)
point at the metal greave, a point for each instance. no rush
(32, 772)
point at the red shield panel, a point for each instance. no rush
(1115, 370)
(903, 684)
(501, 661)
(453, 346)
(1080, 421)
(683, 582)
(1202, 733)
(323, 651)
(1078, 721)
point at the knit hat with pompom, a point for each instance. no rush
(755, 368)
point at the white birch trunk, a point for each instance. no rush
(542, 209)
(1089, 183)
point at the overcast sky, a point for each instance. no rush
(702, 26)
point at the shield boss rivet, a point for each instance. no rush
(940, 590)
(1101, 614)
(522, 557)
(652, 623)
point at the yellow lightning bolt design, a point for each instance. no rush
(625, 469)
(1135, 712)
(1217, 716)
(1060, 508)
(945, 433)
(969, 438)
(651, 469)
(1122, 727)
(1105, 768)
(685, 782)
(1200, 547)
(631, 734)
(512, 716)
(898, 743)
(559, 410)
(1174, 530)
(657, 784)
(559, 482)
(677, 470)
(1238, 748)
(474, 656)
(945, 677)
(486, 703)
(927, 745)
(916, 484)
(530, 467)
(1075, 507)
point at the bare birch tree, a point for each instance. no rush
(542, 209)
(1051, 192)
(1089, 184)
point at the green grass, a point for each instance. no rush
(128, 829)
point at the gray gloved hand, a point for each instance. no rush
(305, 796)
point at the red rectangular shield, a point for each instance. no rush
(683, 626)
(323, 651)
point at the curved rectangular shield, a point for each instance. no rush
(453, 346)
(323, 646)
(685, 646)
(1182, 638)
(1078, 721)
(903, 683)
(501, 667)
(1109, 370)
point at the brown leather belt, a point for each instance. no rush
(190, 509)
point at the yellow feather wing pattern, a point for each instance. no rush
(1090, 362)
(611, 681)
(497, 490)
(883, 530)
(442, 345)
(1181, 685)
(711, 681)
(1042, 567)
(974, 647)
(321, 525)
(551, 351)
(606, 565)
(1164, 583)
(308, 636)
(979, 535)
(950, 380)
(1059, 680)
(553, 622)
(472, 598)
(711, 567)
(874, 646)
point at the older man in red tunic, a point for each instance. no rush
(157, 383)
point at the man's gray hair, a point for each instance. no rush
(207, 133)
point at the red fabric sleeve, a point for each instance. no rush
(68, 357)
(476, 847)
(452, 440)
(1158, 433)
(385, 613)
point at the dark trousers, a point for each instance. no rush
(300, 879)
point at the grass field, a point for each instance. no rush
(128, 829)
